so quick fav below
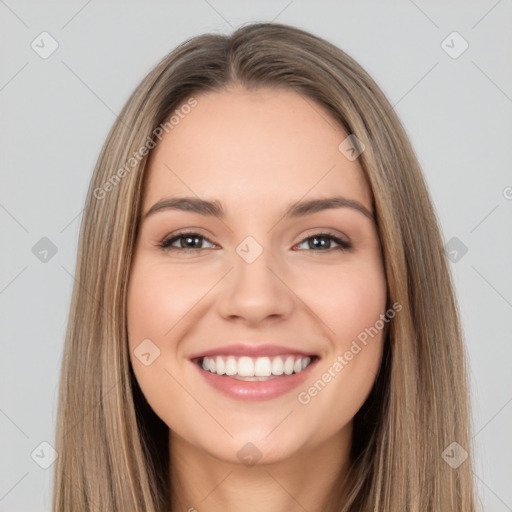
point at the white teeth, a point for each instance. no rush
(231, 366)
(262, 367)
(255, 368)
(221, 367)
(277, 366)
(288, 365)
(245, 367)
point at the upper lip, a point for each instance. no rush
(251, 350)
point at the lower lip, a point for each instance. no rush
(255, 390)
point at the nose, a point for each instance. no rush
(256, 292)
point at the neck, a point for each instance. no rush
(311, 479)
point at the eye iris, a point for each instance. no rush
(191, 239)
(313, 243)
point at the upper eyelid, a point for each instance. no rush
(193, 231)
(310, 232)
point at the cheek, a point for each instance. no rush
(348, 299)
(155, 303)
(158, 299)
(358, 325)
(361, 300)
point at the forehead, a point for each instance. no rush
(254, 149)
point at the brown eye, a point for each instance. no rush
(187, 242)
(321, 242)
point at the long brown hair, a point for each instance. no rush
(113, 449)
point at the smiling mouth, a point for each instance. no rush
(255, 368)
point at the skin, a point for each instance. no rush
(256, 152)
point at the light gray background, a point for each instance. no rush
(55, 115)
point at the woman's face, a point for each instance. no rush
(257, 288)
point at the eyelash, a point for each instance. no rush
(166, 243)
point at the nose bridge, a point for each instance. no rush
(253, 290)
(252, 266)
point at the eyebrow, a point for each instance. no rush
(294, 210)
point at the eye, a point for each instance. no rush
(321, 242)
(190, 241)
(186, 242)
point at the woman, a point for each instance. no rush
(263, 317)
